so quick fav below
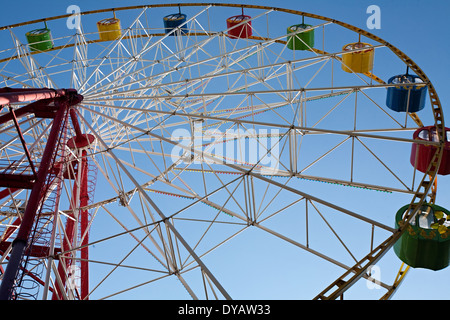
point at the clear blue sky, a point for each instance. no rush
(418, 28)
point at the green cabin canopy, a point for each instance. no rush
(426, 241)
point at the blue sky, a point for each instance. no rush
(418, 28)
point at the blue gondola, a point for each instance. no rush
(173, 21)
(409, 97)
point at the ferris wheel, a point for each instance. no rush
(214, 151)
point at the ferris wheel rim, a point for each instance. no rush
(437, 107)
(437, 110)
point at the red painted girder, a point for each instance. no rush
(19, 181)
(35, 251)
(12, 95)
(6, 192)
(42, 107)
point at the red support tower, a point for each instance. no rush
(55, 104)
(80, 198)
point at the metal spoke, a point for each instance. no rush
(195, 149)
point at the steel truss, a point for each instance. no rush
(142, 87)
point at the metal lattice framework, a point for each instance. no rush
(221, 165)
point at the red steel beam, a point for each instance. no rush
(13, 95)
(70, 98)
(82, 141)
(19, 244)
(31, 274)
(84, 225)
(18, 181)
(42, 106)
(64, 264)
(6, 192)
(35, 250)
(41, 109)
(75, 123)
(22, 140)
(80, 189)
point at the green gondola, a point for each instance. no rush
(303, 40)
(426, 241)
(39, 39)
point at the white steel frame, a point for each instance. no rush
(140, 88)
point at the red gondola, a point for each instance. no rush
(422, 155)
(239, 26)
